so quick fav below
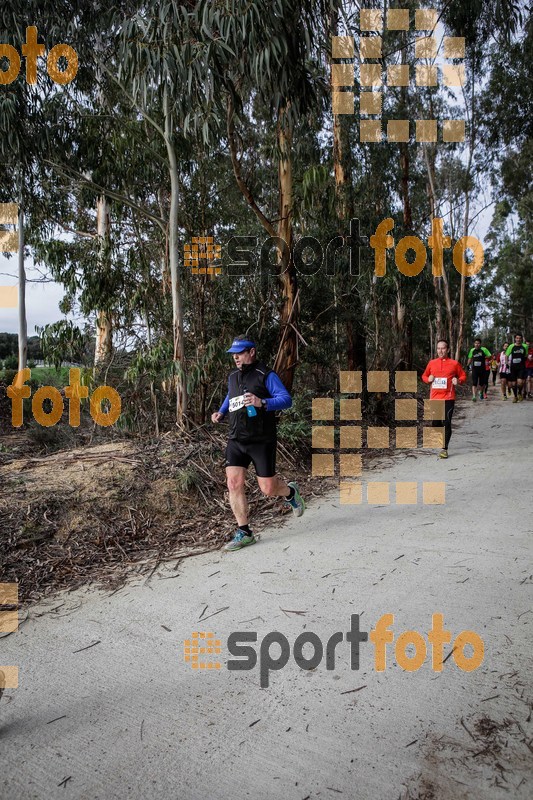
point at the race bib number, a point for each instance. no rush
(477, 363)
(440, 383)
(517, 360)
(236, 402)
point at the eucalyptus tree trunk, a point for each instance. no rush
(401, 314)
(104, 326)
(430, 166)
(461, 326)
(287, 356)
(466, 220)
(153, 395)
(175, 285)
(23, 324)
(444, 288)
(355, 324)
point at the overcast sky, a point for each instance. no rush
(42, 299)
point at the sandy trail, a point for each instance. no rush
(127, 718)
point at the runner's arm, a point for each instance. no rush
(461, 374)
(224, 408)
(427, 372)
(279, 396)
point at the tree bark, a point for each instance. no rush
(404, 164)
(287, 356)
(440, 288)
(402, 323)
(466, 221)
(104, 325)
(23, 324)
(177, 305)
(355, 327)
(403, 327)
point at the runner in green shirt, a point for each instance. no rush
(480, 376)
(517, 354)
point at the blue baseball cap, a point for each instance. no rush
(239, 345)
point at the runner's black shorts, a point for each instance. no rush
(261, 454)
(518, 374)
(478, 376)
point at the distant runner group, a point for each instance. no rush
(514, 365)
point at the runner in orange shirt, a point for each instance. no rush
(444, 373)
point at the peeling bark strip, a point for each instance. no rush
(177, 304)
(23, 325)
(104, 327)
(287, 356)
(354, 324)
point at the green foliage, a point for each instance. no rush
(47, 376)
(11, 362)
(8, 376)
(64, 341)
(294, 427)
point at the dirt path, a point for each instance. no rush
(127, 718)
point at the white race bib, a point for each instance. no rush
(236, 402)
(477, 363)
(440, 383)
(517, 360)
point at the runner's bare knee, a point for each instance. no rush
(235, 482)
(269, 486)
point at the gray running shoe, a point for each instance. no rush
(241, 539)
(297, 503)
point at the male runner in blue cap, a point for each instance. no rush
(253, 438)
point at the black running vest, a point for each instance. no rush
(478, 359)
(262, 427)
(518, 356)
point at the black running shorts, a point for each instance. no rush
(478, 376)
(517, 374)
(261, 454)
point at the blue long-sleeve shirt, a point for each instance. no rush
(279, 396)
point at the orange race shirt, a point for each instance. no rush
(443, 369)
